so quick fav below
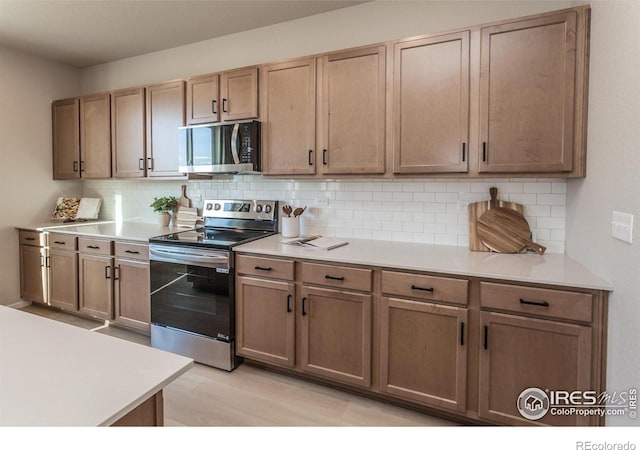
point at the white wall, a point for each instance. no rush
(27, 87)
(612, 183)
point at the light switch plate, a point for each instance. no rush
(622, 226)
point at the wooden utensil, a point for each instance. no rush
(184, 200)
(504, 230)
(298, 211)
(476, 210)
(287, 210)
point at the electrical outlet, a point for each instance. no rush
(322, 202)
(622, 226)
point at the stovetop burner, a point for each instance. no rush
(212, 237)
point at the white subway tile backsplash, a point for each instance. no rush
(424, 210)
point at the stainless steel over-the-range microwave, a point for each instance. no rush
(220, 148)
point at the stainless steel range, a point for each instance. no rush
(193, 280)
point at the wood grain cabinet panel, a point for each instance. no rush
(128, 129)
(288, 112)
(265, 320)
(431, 104)
(66, 138)
(239, 92)
(203, 99)
(423, 352)
(95, 136)
(336, 335)
(96, 285)
(527, 94)
(165, 114)
(132, 296)
(351, 126)
(33, 273)
(62, 266)
(520, 353)
(265, 267)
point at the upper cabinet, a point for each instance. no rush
(288, 112)
(532, 77)
(128, 133)
(431, 104)
(165, 114)
(95, 136)
(351, 126)
(239, 92)
(66, 138)
(203, 105)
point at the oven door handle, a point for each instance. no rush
(187, 258)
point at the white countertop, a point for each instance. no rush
(55, 374)
(132, 231)
(555, 269)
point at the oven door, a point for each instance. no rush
(192, 290)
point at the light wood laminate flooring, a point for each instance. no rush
(252, 396)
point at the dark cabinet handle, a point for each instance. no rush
(213, 107)
(29, 239)
(311, 157)
(289, 303)
(266, 269)
(60, 242)
(544, 304)
(140, 163)
(81, 166)
(94, 247)
(133, 252)
(324, 156)
(149, 164)
(224, 105)
(461, 333)
(116, 273)
(47, 262)
(107, 272)
(304, 301)
(418, 288)
(486, 337)
(75, 166)
(329, 277)
(484, 152)
(464, 151)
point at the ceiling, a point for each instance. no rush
(89, 32)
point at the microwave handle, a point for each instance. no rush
(234, 143)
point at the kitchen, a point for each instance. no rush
(341, 207)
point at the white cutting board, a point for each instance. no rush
(89, 208)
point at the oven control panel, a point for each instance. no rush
(241, 209)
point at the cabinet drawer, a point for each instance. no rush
(63, 241)
(95, 246)
(35, 238)
(132, 250)
(264, 267)
(425, 287)
(337, 276)
(538, 301)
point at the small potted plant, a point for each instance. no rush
(164, 206)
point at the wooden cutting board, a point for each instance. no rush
(504, 230)
(476, 210)
(184, 200)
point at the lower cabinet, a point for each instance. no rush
(33, 273)
(62, 264)
(265, 316)
(336, 335)
(423, 352)
(96, 286)
(131, 289)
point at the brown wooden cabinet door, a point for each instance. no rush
(132, 297)
(203, 105)
(336, 335)
(265, 320)
(527, 92)
(63, 279)
(95, 136)
(128, 133)
(239, 92)
(165, 114)
(431, 104)
(519, 353)
(33, 274)
(96, 286)
(66, 138)
(288, 108)
(423, 352)
(351, 126)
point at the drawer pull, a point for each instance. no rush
(528, 302)
(29, 239)
(116, 273)
(304, 301)
(289, 303)
(486, 337)
(133, 252)
(60, 242)
(94, 247)
(418, 288)
(329, 277)
(266, 269)
(461, 333)
(107, 272)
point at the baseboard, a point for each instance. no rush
(19, 304)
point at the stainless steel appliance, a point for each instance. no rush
(193, 280)
(220, 148)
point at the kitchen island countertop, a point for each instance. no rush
(55, 374)
(554, 269)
